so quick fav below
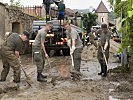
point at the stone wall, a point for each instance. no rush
(15, 18)
(2, 17)
(2, 22)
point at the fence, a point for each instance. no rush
(33, 11)
(39, 11)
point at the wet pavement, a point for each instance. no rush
(90, 69)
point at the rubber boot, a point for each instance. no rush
(18, 81)
(104, 71)
(43, 76)
(101, 69)
(40, 78)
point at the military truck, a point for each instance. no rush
(55, 40)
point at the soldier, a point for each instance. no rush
(61, 10)
(47, 4)
(10, 53)
(39, 51)
(75, 44)
(104, 42)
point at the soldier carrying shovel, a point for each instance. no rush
(75, 44)
(103, 48)
(10, 53)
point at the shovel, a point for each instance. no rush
(21, 66)
(49, 63)
(72, 61)
(105, 59)
(50, 72)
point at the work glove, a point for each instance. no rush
(69, 43)
(72, 50)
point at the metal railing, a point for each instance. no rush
(33, 10)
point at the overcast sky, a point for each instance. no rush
(73, 4)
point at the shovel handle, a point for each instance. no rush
(49, 62)
(21, 66)
(104, 56)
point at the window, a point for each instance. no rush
(102, 19)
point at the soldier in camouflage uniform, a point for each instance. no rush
(104, 42)
(39, 51)
(75, 44)
(10, 54)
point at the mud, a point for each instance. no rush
(60, 86)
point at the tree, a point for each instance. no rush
(124, 9)
(14, 3)
(88, 20)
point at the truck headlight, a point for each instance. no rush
(50, 35)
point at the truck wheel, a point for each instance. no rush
(57, 53)
(66, 52)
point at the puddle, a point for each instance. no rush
(91, 69)
(114, 98)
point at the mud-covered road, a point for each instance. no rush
(116, 86)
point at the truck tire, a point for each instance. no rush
(66, 52)
(57, 52)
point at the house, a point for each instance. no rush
(68, 12)
(103, 14)
(12, 19)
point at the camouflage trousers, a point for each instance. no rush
(9, 59)
(39, 58)
(77, 58)
(100, 56)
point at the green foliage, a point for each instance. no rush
(14, 3)
(117, 2)
(111, 4)
(120, 9)
(119, 69)
(43, 18)
(88, 20)
(124, 9)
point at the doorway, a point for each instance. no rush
(16, 27)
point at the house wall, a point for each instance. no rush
(2, 19)
(103, 18)
(17, 19)
(2, 22)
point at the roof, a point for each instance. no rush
(2, 4)
(69, 12)
(102, 8)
